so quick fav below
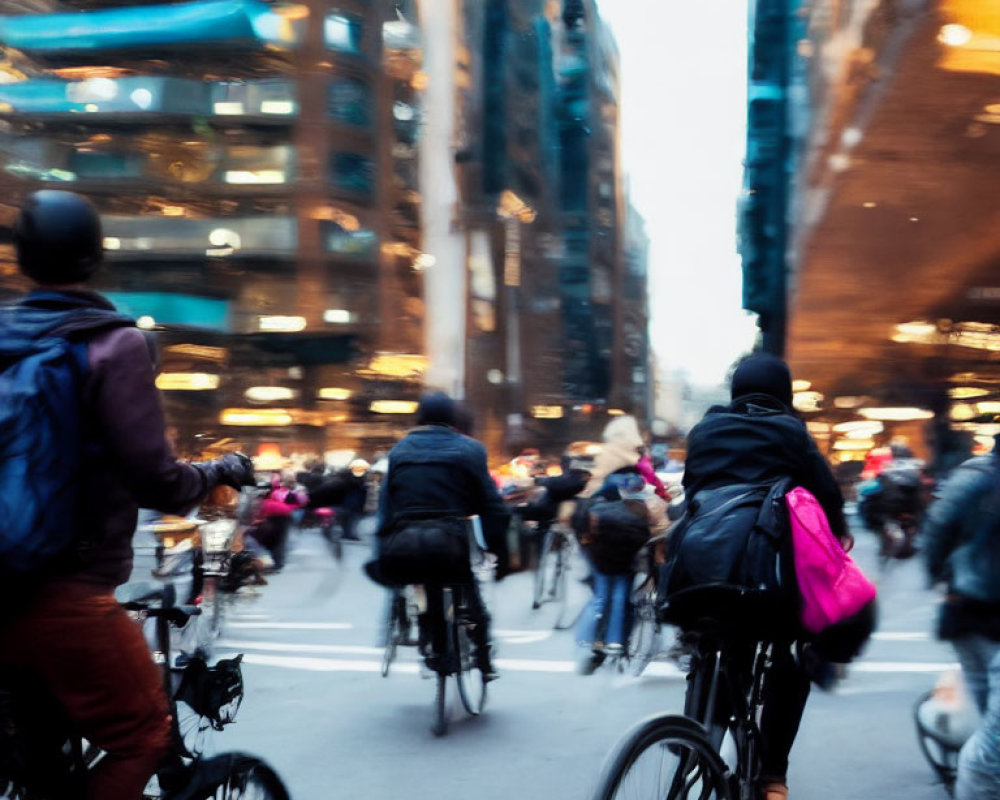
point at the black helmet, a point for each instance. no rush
(58, 237)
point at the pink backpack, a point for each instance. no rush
(832, 586)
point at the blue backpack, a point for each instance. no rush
(43, 361)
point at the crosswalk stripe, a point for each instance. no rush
(657, 669)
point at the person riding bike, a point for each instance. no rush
(66, 627)
(758, 438)
(435, 469)
(961, 549)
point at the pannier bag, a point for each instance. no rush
(616, 530)
(424, 549)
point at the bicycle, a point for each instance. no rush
(42, 758)
(400, 618)
(677, 757)
(557, 548)
(645, 635)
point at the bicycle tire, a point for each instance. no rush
(644, 639)
(546, 554)
(471, 692)
(392, 637)
(665, 757)
(229, 777)
(940, 757)
(440, 725)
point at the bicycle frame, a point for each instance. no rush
(719, 670)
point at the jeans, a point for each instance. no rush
(608, 606)
(979, 760)
(94, 660)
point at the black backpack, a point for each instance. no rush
(737, 536)
(612, 532)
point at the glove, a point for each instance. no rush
(232, 469)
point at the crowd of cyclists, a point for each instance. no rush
(62, 622)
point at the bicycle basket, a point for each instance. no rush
(214, 693)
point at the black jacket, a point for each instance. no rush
(434, 468)
(756, 439)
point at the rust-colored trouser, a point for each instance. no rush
(93, 658)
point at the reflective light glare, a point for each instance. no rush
(269, 394)
(142, 98)
(173, 211)
(393, 406)
(965, 392)
(860, 427)
(146, 322)
(187, 381)
(807, 401)
(954, 35)
(224, 237)
(333, 393)
(198, 351)
(255, 417)
(615, 412)
(848, 401)
(547, 412)
(989, 407)
(424, 261)
(800, 385)
(896, 413)
(962, 412)
(337, 316)
(853, 444)
(228, 108)
(277, 107)
(112, 243)
(396, 365)
(254, 176)
(281, 323)
(494, 376)
(869, 204)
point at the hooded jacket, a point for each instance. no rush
(620, 450)
(127, 461)
(757, 439)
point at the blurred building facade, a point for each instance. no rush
(556, 267)
(258, 168)
(256, 171)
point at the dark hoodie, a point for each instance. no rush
(128, 462)
(757, 439)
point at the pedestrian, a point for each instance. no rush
(962, 550)
(758, 438)
(67, 628)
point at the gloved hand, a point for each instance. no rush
(232, 469)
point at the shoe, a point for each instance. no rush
(774, 791)
(590, 665)
(614, 650)
(484, 663)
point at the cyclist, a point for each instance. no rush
(434, 467)
(68, 629)
(962, 537)
(758, 438)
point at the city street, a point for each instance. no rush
(317, 708)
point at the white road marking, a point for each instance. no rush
(658, 669)
(901, 636)
(342, 649)
(292, 626)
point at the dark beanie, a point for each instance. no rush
(763, 373)
(436, 408)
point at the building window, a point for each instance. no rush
(343, 33)
(354, 173)
(350, 102)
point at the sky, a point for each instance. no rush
(683, 110)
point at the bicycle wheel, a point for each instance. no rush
(644, 639)
(440, 724)
(471, 686)
(667, 758)
(235, 776)
(545, 569)
(393, 634)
